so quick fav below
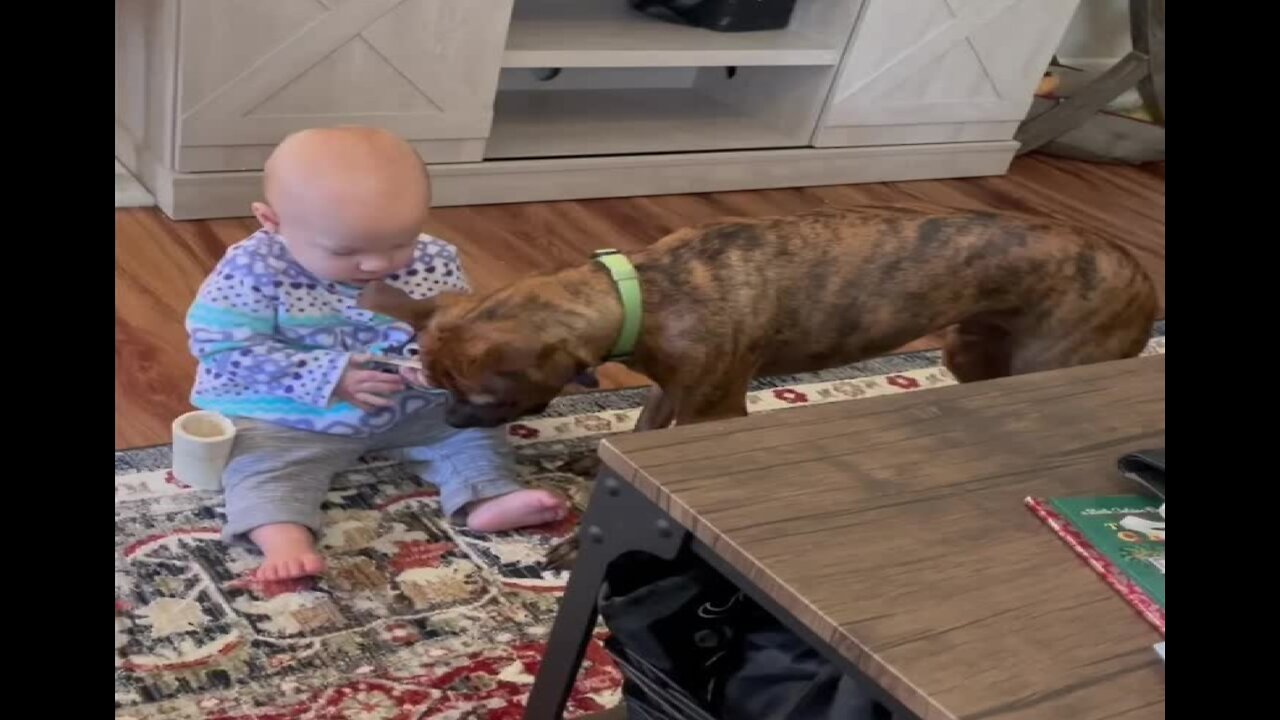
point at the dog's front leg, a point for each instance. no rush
(659, 410)
(720, 399)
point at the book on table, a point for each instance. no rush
(1121, 537)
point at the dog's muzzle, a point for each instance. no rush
(465, 415)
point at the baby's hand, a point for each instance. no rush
(367, 389)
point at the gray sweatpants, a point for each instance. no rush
(281, 475)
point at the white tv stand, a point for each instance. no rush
(521, 100)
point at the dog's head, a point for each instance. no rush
(495, 364)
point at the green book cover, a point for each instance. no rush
(1137, 548)
(1121, 537)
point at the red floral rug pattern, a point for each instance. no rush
(414, 619)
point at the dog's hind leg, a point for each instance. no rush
(979, 348)
(1083, 346)
(1073, 335)
(1104, 315)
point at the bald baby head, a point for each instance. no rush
(349, 202)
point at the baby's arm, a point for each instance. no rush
(453, 278)
(436, 269)
(232, 326)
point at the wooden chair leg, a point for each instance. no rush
(1074, 111)
(1146, 29)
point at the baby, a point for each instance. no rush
(282, 350)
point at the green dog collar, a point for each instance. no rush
(628, 284)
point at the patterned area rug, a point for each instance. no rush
(415, 618)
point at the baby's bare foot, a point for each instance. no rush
(289, 550)
(522, 508)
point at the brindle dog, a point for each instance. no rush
(731, 300)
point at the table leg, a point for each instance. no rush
(618, 519)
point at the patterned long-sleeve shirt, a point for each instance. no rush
(273, 340)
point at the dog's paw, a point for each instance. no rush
(585, 466)
(587, 379)
(562, 555)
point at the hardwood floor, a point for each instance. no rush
(160, 263)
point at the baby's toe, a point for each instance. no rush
(268, 571)
(550, 500)
(312, 565)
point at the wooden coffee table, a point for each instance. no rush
(891, 533)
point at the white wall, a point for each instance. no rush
(1098, 35)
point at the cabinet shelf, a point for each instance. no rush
(609, 33)
(605, 122)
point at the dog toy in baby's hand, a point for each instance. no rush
(396, 361)
(586, 379)
(409, 368)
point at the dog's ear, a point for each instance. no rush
(381, 298)
(560, 365)
(488, 350)
(551, 364)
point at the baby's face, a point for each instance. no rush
(355, 257)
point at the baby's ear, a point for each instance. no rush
(381, 298)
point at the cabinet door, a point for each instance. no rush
(924, 71)
(252, 72)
